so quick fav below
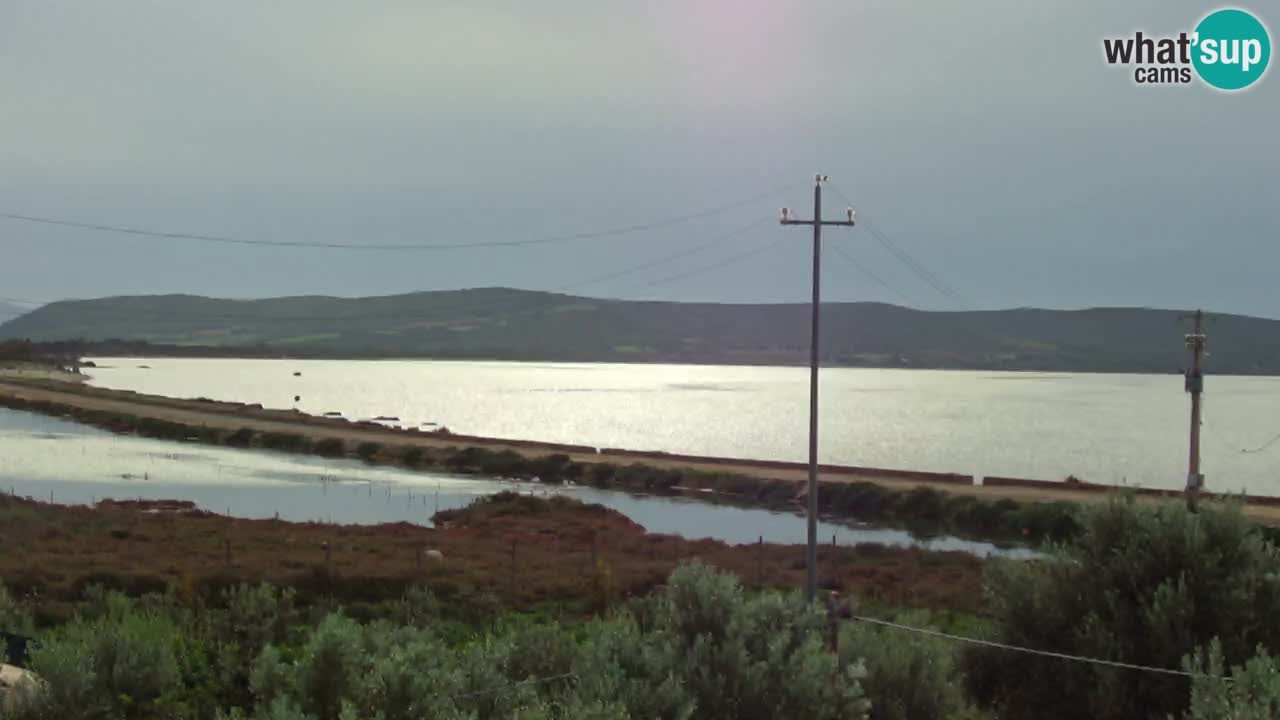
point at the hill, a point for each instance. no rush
(499, 323)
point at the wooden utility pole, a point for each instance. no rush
(1195, 385)
(811, 586)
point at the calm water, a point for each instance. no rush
(1114, 429)
(50, 458)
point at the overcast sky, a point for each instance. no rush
(989, 140)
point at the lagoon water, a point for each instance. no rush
(55, 459)
(1107, 428)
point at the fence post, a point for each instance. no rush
(328, 558)
(226, 546)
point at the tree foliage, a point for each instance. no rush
(907, 677)
(1250, 692)
(1143, 584)
(700, 648)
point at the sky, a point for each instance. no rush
(988, 141)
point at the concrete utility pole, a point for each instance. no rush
(811, 586)
(1195, 386)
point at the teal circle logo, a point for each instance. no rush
(1231, 49)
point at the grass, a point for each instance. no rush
(525, 551)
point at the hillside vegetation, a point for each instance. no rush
(497, 323)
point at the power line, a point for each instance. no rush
(665, 259)
(848, 257)
(915, 266)
(596, 234)
(716, 266)
(912, 264)
(1032, 651)
(1262, 447)
(1213, 431)
(471, 305)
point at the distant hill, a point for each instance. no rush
(500, 323)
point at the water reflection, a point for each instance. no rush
(71, 463)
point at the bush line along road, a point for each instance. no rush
(928, 501)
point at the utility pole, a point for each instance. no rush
(811, 562)
(1195, 386)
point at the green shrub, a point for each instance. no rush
(255, 616)
(468, 459)
(1252, 691)
(1143, 584)
(504, 463)
(763, 657)
(330, 447)
(368, 449)
(699, 648)
(551, 468)
(15, 615)
(412, 456)
(602, 474)
(908, 677)
(241, 438)
(130, 663)
(291, 442)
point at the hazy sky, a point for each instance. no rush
(987, 139)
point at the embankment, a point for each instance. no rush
(998, 508)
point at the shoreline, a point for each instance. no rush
(761, 483)
(209, 353)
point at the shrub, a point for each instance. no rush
(411, 456)
(240, 438)
(467, 459)
(255, 616)
(291, 442)
(551, 468)
(506, 463)
(330, 447)
(128, 664)
(1251, 693)
(763, 657)
(701, 647)
(1140, 584)
(367, 450)
(602, 474)
(15, 615)
(908, 677)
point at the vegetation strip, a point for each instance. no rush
(923, 507)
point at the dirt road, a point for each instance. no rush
(233, 416)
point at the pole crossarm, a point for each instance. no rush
(824, 223)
